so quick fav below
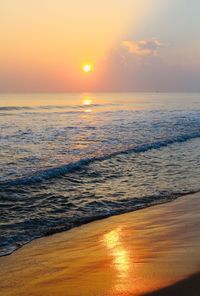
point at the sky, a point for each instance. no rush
(132, 45)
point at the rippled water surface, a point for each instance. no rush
(67, 159)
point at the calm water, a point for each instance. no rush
(68, 159)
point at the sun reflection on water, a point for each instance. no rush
(87, 101)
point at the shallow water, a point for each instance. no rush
(68, 159)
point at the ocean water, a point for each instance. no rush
(68, 159)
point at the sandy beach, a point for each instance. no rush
(99, 148)
(130, 254)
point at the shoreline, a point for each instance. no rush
(100, 219)
(128, 254)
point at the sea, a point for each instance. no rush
(69, 159)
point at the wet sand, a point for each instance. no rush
(131, 254)
(187, 287)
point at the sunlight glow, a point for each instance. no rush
(87, 68)
(119, 252)
(87, 102)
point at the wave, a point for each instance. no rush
(56, 172)
(110, 209)
(46, 107)
(12, 108)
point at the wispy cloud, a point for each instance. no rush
(143, 47)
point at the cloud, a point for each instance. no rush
(143, 47)
(150, 75)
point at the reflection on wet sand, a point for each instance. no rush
(127, 255)
(118, 251)
(120, 257)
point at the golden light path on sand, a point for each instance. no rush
(120, 255)
(125, 255)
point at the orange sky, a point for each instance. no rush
(45, 43)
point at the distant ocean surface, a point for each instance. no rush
(68, 159)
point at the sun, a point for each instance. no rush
(87, 68)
